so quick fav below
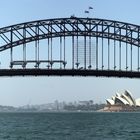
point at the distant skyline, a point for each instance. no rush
(19, 91)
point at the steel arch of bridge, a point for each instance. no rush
(88, 28)
(115, 30)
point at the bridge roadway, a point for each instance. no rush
(68, 72)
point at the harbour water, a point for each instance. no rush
(70, 126)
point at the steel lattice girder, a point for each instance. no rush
(18, 34)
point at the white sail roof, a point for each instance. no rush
(138, 102)
(123, 98)
(110, 102)
(129, 95)
(118, 94)
(129, 100)
(120, 100)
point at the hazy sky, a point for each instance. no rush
(39, 90)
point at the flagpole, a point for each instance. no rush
(87, 12)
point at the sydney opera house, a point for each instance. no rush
(122, 102)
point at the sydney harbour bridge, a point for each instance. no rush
(70, 47)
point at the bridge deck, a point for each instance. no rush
(68, 72)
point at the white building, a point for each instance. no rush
(124, 98)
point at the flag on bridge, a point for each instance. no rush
(86, 11)
(90, 7)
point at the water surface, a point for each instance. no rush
(69, 126)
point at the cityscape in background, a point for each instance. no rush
(56, 106)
